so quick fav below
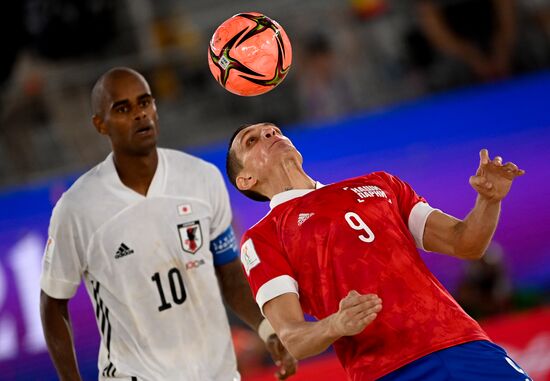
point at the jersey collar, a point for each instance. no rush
(110, 177)
(288, 195)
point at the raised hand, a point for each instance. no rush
(284, 360)
(355, 313)
(493, 179)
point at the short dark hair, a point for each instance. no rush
(233, 166)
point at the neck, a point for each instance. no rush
(290, 175)
(136, 171)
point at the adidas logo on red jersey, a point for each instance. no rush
(302, 217)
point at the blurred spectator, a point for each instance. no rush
(12, 26)
(365, 9)
(23, 122)
(63, 29)
(539, 10)
(485, 289)
(464, 40)
(323, 87)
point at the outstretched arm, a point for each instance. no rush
(58, 333)
(469, 238)
(304, 339)
(238, 296)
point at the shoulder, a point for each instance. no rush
(83, 190)
(384, 177)
(381, 175)
(371, 176)
(267, 226)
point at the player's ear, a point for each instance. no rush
(245, 181)
(99, 125)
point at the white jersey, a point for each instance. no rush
(147, 268)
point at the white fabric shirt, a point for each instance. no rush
(148, 269)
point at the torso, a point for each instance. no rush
(150, 274)
(353, 235)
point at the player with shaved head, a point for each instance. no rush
(148, 231)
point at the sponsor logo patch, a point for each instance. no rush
(249, 257)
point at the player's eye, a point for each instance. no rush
(250, 140)
(122, 109)
(145, 102)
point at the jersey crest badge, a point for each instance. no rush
(190, 236)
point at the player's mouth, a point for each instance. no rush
(145, 130)
(276, 140)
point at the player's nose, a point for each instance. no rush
(268, 131)
(140, 114)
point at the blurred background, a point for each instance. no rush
(413, 87)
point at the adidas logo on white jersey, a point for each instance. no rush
(123, 251)
(302, 217)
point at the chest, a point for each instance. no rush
(355, 215)
(152, 234)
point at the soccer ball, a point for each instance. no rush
(249, 54)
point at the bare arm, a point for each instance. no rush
(466, 239)
(469, 238)
(304, 339)
(237, 294)
(58, 333)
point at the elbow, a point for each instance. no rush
(473, 254)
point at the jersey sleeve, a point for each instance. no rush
(219, 200)
(414, 209)
(267, 268)
(223, 243)
(63, 256)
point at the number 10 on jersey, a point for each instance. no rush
(177, 288)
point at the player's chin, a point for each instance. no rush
(145, 146)
(284, 151)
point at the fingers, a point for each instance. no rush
(485, 163)
(356, 312)
(368, 306)
(288, 366)
(483, 157)
(368, 319)
(350, 299)
(284, 360)
(513, 169)
(353, 298)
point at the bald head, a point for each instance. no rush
(103, 87)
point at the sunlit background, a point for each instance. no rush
(415, 88)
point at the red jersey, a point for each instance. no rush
(358, 234)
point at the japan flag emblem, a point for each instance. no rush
(190, 236)
(184, 209)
